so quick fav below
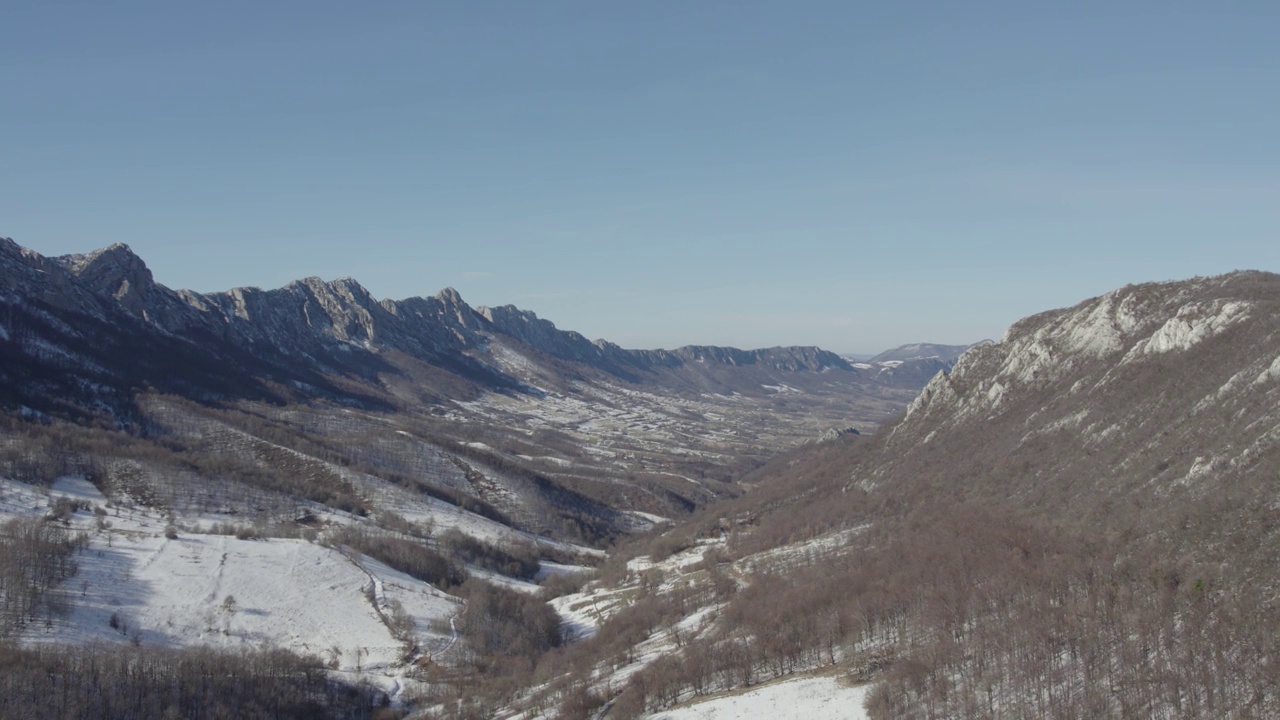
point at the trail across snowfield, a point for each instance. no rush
(217, 590)
(136, 585)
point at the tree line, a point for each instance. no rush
(139, 683)
(38, 556)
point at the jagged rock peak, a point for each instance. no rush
(503, 313)
(10, 245)
(114, 271)
(346, 287)
(449, 296)
(311, 281)
(117, 255)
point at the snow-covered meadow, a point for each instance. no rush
(822, 697)
(158, 580)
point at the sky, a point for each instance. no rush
(846, 174)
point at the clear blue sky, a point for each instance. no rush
(852, 175)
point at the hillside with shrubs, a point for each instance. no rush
(1077, 521)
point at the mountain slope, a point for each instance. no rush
(1078, 521)
(1158, 392)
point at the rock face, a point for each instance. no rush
(1212, 329)
(1148, 398)
(114, 272)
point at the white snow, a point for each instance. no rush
(547, 458)
(78, 488)
(811, 698)
(174, 592)
(581, 613)
(548, 569)
(655, 519)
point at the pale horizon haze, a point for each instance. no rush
(850, 175)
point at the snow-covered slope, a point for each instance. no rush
(145, 578)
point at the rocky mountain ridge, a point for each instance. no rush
(326, 322)
(1182, 373)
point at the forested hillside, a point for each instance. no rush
(1078, 521)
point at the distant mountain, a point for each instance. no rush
(924, 351)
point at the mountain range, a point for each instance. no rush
(94, 338)
(312, 328)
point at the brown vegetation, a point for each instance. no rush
(38, 556)
(127, 683)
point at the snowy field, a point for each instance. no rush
(136, 585)
(812, 698)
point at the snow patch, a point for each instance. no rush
(655, 519)
(561, 462)
(813, 698)
(77, 487)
